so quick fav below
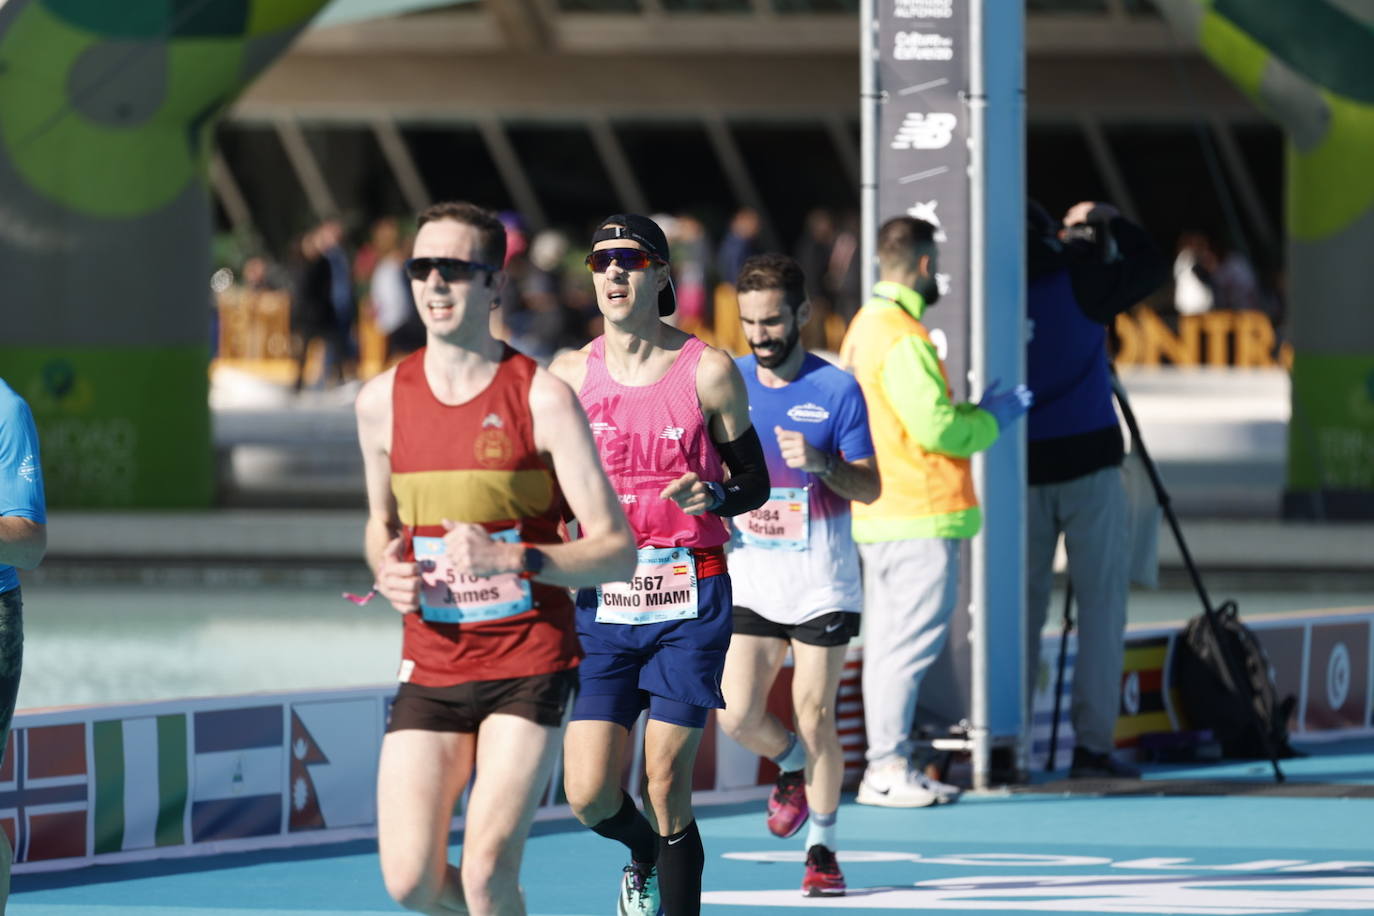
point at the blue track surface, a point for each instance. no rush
(1237, 854)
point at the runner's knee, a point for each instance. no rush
(668, 789)
(488, 874)
(814, 716)
(591, 798)
(742, 716)
(411, 887)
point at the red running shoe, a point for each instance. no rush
(787, 808)
(823, 875)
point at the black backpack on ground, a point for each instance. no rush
(1211, 698)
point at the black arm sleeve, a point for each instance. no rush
(1105, 290)
(748, 485)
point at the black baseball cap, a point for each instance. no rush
(647, 233)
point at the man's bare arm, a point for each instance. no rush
(857, 481)
(397, 580)
(606, 550)
(724, 399)
(571, 367)
(22, 541)
(852, 480)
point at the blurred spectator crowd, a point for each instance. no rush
(337, 306)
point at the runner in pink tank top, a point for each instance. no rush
(648, 436)
(669, 415)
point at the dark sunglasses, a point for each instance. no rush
(451, 269)
(627, 258)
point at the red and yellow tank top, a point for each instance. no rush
(477, 462)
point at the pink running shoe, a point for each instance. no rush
(787, 808)
(823, 875)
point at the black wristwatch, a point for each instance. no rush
(533, 562)
(717, 495)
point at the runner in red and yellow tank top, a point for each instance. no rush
(476, 462)
(470, 451)
(669, 415)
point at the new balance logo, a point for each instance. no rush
(672, 432)
(925, 130)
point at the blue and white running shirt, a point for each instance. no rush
(780, 582)
(21, 476)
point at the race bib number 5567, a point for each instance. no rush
(664, 587)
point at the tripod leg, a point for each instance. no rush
(1059, 674)
(1234, 665)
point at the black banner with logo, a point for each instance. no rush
(923, 152)
(923, 161)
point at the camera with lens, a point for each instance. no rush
(1091, 239)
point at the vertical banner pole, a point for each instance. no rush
(870, 101)
(997, 294)
(977, 306)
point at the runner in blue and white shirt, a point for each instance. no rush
(23, 538)
(793, 561)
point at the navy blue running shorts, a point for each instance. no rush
(671, 668)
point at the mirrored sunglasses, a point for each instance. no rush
(627, 258)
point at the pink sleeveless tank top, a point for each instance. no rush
(648, 436)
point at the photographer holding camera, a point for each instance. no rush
(1082, 274)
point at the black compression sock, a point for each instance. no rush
(681, 860)
(630, 827)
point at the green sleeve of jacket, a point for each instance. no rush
(915, 387)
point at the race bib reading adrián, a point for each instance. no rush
(664, 587)
(782, 523)
(447, 597)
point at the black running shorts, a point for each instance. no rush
(833, 629)
(541, 698)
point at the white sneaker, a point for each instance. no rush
(897, 784)
(638, 891)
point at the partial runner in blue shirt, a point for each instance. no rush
(23, 538)
(21, 490)
(793, 561)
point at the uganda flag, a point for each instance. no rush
(1145, 709)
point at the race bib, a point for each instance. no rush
(664, 587)
(782, 523)
(446, 597)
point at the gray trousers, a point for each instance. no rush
(909, 592)
(1091, 513)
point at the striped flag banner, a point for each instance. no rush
(140, 783)
(43, 792)
(239, 773)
